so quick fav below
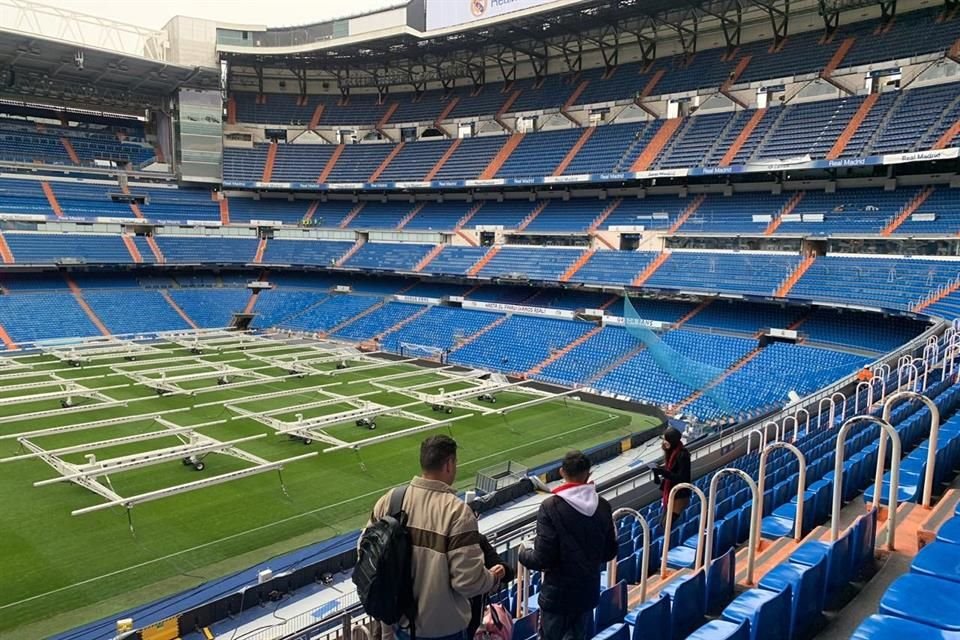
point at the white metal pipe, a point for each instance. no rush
(106, 467)
(756, 508)
(801, 484)
(894, 477)
(90, 425)
(190, 486)
(523, 590)
(396, 434)
(932, 445)
(102, 444)
(760, 439)
(843, 410)
(820, 411)
(644, 557)
(882, 381)
(792, 421)
(535, 401)
(796, 418)
(698, 561)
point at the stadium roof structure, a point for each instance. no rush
(408, 56)
(44, 68)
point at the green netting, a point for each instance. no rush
(692, 373)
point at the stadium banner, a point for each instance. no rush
(518, 308)
(582, 177)
(596, 178)
(661, 173)
(412, 185)
(441, 14)
(620, 321)
(417, 299)
(921, 156)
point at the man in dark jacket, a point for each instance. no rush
(575, 537)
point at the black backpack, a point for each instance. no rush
(383, 574)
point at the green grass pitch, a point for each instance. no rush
(61, 570)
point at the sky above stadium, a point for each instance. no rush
(154, 13)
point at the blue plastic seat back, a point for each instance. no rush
(687, 598)
(612, 606)
(838, 567)
(721, 577)
(766, 611)
(614, 632)
(722, 630)
(651, 620)
(724, 536)
(880, 627)
(923, 599)
(863, 541)
(806, 585)
(815, 554)
(527, 626)
(743, 523)
(627, 569)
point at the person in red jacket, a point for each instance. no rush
(674, 470)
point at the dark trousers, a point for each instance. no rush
(563, 626)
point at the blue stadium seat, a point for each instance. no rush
(805, 584)
(924, 599)
(687, 599)
(765, 610)
(652, 620)
(722, 630)
(882, 627)
(938, 560)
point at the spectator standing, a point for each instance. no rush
(448, 561)
(674, 470)
(575, 537)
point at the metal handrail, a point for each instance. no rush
(644, 557)
(698, 558)
(894, 477)
(801, 482)
(756, 512)
(901, 396)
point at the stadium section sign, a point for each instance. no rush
(447, 13)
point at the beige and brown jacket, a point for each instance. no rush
(447, 560)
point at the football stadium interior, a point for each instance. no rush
(247, 269)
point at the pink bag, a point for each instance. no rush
(497, 624)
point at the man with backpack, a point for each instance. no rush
(575, 537)
(420, 559)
